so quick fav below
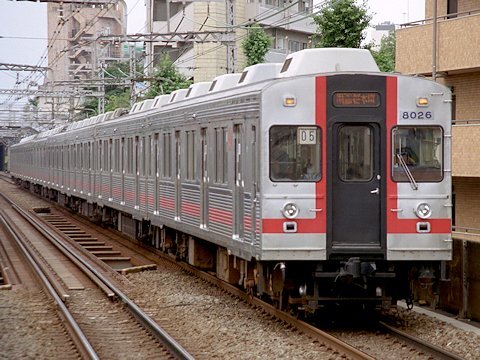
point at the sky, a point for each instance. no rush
(23, 28)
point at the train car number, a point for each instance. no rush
(307, 135)
(416, 115)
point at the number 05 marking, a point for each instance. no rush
(307, 135)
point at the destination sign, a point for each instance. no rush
(356, 99)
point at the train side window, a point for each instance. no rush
(221, 157)
(154, 167)
(167, 155)
(295, 153)
(419, 151)
(191, 156)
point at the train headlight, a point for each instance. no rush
(290, 210)
(423, 211)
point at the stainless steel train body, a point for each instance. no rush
(319, 179)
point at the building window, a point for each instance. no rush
(280, 43)
(277, 3)
(452, 8)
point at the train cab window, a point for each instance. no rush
(417, 153)
(355, 153)
(295, 153)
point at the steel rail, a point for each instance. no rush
(160, 334)
(435, 351)
(79, 338)
(346, 349)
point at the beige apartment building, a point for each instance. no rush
(288, 22)
(458, 67)
(74, 53)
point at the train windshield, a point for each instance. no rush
(418, 151)
(295, 153)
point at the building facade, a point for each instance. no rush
(457, 61)
(75, 54)
(289, 24)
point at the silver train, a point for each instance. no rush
(312, 182)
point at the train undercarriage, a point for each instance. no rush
(303, 288)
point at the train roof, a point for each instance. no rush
(302, 63)
(198, 89)
(224, 82)
(328, 60)
(259, 72)
(177, 95)
(160, 100)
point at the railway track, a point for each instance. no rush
(83, 345)
(169, 347)
(338, 347)
(433, 350)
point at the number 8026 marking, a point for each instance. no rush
(417, 115)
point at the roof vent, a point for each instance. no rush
(224, 82)
(259, 72)
(198, 89)
(178, 95)
(328, 60)
(160, 100)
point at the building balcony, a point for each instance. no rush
(465, 141)
(458, 45)
(290, 18)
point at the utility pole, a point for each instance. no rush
(231, 46)
(133, 95)
(101, 100)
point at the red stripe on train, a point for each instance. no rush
(319, 223)
(394, 224)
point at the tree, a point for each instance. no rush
(256, 45)
(166, 79)
(341, 24)
(117, 98)
(385, 56)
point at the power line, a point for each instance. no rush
(18, 67)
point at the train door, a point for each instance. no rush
(355, 174)
(178, 181)
(239, 185)
(204, 178)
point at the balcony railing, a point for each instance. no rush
(456, 52)
(443, 17)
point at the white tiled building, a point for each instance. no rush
(287, 21)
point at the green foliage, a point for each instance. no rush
(166, 79)
(89, 108)
(256, 45)
(385, 56)
(117, 98)
(33, 102)
(341, 24)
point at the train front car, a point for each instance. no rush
(356, 186)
